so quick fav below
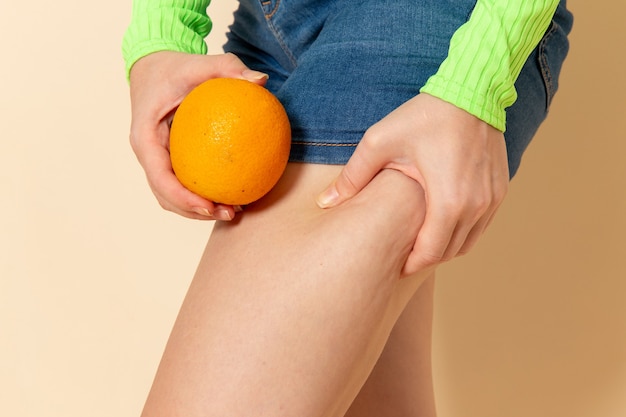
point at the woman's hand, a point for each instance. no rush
(158, 84)
(459, 160)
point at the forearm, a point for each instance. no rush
(157, 25)
(487, 54)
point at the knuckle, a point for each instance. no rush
(229, 60)
(501, 191)
(373, 137)
(168, 206)
(473, 205)
(481, 203)
(134, 141)
(230, 56)
(164, 204)
(136, 137)
(430, 259)
(451, 206)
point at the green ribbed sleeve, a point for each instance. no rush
(486, 55)
(159, 25)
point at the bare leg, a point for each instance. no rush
(401, 383)
(291, 305)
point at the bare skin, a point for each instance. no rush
(459, 160)
(293, 306)
(286, 315)
(401, 383)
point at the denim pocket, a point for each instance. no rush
(552, 50)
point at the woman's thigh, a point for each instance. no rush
(291, 305)
(401, 383)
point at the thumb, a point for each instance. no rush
(256, 77)
(231, 66)
(354, 176)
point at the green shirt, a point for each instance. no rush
(485, 57)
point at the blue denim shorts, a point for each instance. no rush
(339, 67)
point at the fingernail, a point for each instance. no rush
(328, 198)
(222, 214)
(238, 209)
(252, 75)
(202, 211)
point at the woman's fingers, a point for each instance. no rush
(459, 161)
(355, 175)
(159, 83)
(449, 230)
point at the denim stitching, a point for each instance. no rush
(277, 35)
(544, 65)
(336, 145)
(271, 13)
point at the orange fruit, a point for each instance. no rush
(230, 141)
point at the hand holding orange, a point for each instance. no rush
(230, 141)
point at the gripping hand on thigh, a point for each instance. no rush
(158, 84)
(459, 160)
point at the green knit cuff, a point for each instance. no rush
(487, 54)
(174, 25)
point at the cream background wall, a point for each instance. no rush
(92, 272)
